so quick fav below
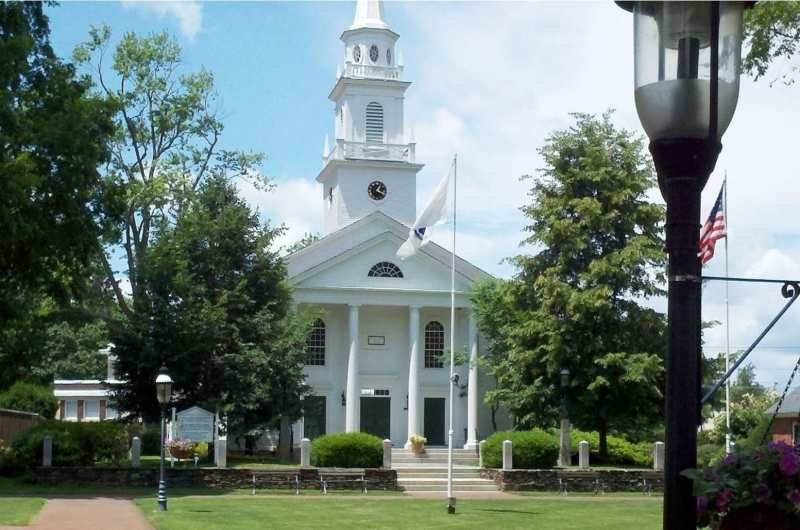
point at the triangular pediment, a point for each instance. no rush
(343, 260)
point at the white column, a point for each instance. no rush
(413, 374)
(352, 421)
(472, 386)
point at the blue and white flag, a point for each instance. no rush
(434, 212)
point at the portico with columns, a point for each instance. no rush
(378, 349)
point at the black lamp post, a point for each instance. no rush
(686, 62)
(163, 394)
(564, 449)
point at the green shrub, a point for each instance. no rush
(201, 450)
(151, 441)
(347, 449)
(74, 444)
(30, 397)
(620, 451)
(535, 449)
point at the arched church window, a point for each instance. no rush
(434, 345)
(315, 344)
(356, 53)
(374, 53)
(374, 123)
(385, 269)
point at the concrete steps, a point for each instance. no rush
(428, 472)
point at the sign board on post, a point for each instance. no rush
(195, 424)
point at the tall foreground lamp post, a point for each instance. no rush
(564, 446)
(163, 394)
(686, 62)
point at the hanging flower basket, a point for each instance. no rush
(752, 490)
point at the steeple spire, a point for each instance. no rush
(369, 14)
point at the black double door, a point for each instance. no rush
(434, 421)
(376, 416)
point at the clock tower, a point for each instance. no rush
(371, 164)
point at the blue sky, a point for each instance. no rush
(491, 81)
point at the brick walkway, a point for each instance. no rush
(98, 513)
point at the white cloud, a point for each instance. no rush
(294, 202)
(189, 13)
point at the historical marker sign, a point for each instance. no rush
(195, 424)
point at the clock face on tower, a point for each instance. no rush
(376, 190)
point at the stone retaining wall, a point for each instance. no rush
(620, 480)
(377, 479)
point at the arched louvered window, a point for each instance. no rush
(434, 345)
(315, 345)
(375, 123)
(385, 269)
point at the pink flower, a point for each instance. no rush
(788, 463)
(724, 500)
(702, 504)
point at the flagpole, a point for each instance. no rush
(451, 500)
(727, 324)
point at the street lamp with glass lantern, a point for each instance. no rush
(687, 58)
(163, 394)
(564, 446)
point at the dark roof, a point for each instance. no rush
(791, 403)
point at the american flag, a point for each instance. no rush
(714, 229)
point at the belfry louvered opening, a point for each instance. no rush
(375, 123)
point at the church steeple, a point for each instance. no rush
(369, 14)
(371, 165)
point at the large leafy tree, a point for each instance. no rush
(166, 143)
(215, 309)
(772, 32)
(54, 205)
(576, 302)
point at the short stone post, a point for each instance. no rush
(221, 451)
(387, 454)
(305, 452)
(480, 453)
(47, 451)
(136, 452)
(658, 456)
(583, 454)
(508, 457)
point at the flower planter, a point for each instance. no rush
(759, 516)
(418, 449)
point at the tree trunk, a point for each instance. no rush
(284, 440)
(494, 418)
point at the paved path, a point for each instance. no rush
(97, 513)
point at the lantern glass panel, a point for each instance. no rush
(672, 64)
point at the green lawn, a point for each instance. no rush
(19, 511)
(242, 513)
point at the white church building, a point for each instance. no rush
(375, 354)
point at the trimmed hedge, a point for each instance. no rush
(347, 449)
(74, 444)
(535, 449)
(620, 451)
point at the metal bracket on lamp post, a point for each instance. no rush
(790, 289)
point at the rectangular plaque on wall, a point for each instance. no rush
(376, 340)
